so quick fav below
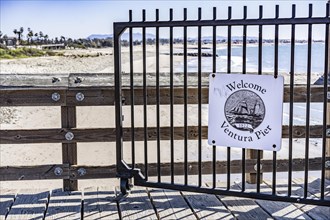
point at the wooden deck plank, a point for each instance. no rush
(64, 205)
(29, 204)
(137, 205)
(316, 212)
(243, 208)
(278, 210)
(170, 204)
(207, 206)
(99, 203)
(7, 198)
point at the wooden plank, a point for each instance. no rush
(105, 96)
(57, 135)
(99, 203)
(207, 206)
(242, 208)
(170, 204)
(34, 172)
(29, 204)
(69, 150)
(315, 212)
(91, 80)
(137, 205)
(64, 204)
(49, 80)
(109, 134)
(278, 210)
(92, 97)
(97, 172)
(252, 177)
(7, 198)
(32, 97)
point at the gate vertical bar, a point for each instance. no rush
(145, 101)
(132, 90)
(308, 100)
(244, 72)
(158, 99)
(214, 69)
(254, 178)
(259, 152)
(326, 107)
(293, 39)
(185, 78)
(171, 99)
(199, 99)
(228, 71)
(275, 75)
(118, 102)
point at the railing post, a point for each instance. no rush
(252, 177)
(69, 150)
(327, 150)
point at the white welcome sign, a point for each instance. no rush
(245, 111)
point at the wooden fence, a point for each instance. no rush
(68, 92)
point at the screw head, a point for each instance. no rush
(328, 95)
(69, 136)
(56, 96)
(328, 132)
(80, 97)
(327, 164)
(256, 167)
(82, 171)
(213, 75)
(58, 171)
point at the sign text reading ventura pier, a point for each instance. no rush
(245, 111)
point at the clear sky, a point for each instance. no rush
(81, 18)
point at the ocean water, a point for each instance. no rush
(284, 59)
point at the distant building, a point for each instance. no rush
(9, 41)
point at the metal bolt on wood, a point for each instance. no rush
(256, 167)
(56, 96)
(328, 132)
(80, 97)
(58, 171)
(69, 136)
(327, 164)
(82, 171)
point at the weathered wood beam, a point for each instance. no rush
(94, 96)
(57, 135)
(75, 172)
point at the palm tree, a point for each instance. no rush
(29, 35)
(62, 39)
(41, 35)
(19, 33)
(46, 38)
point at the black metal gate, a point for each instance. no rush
(160, 140)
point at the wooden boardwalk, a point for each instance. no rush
(146, 203)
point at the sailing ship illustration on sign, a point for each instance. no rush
(244, 110)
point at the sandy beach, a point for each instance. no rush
(101, 61)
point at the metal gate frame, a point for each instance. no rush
(126, 173)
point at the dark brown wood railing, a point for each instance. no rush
(97, 90)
